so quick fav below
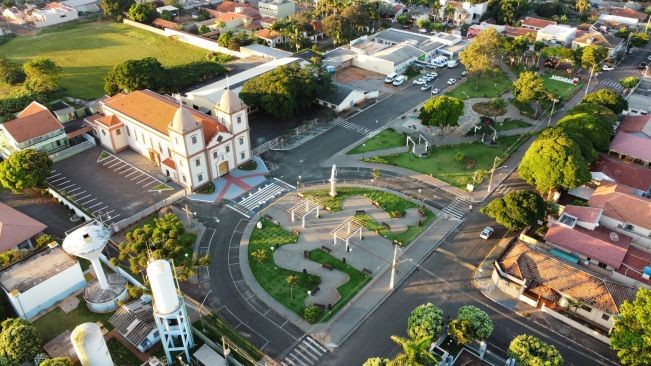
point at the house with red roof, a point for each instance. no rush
(633, 139)
(35, 127)
(271, 37)
(609, 169)
(190, 147)
(17, 229)
(536, 23)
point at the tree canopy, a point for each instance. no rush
(607, 98)
(632, 331)
(19, 340)
(115, 8)
(629, 82)
(10, 72)
(529, 88)
(554, 161)
(25, 169)
(286, 90)
(638, 39)
(471, 324)
(41, 75)
(592, 56)
(338, 28)
(442, 111)
(376, 361)
(593, 128)
(141, 12)
(59, 361)
(531, 351)
(426, 320)
(415, 352)
(588, 151)
(516, 210)
(480, 54)
(599, 111)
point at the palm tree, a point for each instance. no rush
(414, 352)
(291, 281)
(448, 12)
(436, 8)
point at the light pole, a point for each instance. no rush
(363, 151)
(422, 201)
(393, 267)
(554, 101)
(490, 181)
(200, 307)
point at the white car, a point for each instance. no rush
(486, 233)
(428, 78)
(608, 68)
(425, 87)
(435, 91)
(420, 81)
(649, 58)
(433, 74)
(452, 81)
(464, 73)
(399, 80)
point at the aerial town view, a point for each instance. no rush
(325, 182)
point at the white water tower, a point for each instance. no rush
(89, 344)
(169, 310)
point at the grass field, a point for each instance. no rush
(560, 89)
(56, 321)
(511, 124)
(442, 163)
(121, 355)
(384, 140)
(392, 204)
(488, 85)
(405, 237)
(87, 51)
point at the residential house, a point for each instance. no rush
(635, 269)
(556, 35)
(135, 322)
(506, 30)
(639, 101)
(52, 14)
(566, 292)
(83, 6)
(278, 9)
(173, 10)
(35, 127)
(624, 16)
(190, 147)
(162, 24)
(63, 111)
(536, 23)
(342, 98)
(271, 37)
(613, 44)
(41, 280)
(609, 169)
(465, 12)
(633, 140)
(14, 15)
(17, 230)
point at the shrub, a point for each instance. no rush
(312, 313)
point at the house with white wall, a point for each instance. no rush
(559, 34)
(52, 14)
(41, 280)
(190, 147)
(342, 98)
(465, 12)
(278, 9)
(35, 127)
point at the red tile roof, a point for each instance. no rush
(109, 121)
(634, 261)
(627, 13)
(170, 163)
(595, 244)
(632, 175)
(585, 214)
(620, 203)
(539, 269)
(157, 111)
(537, 22)
(267, 34)
(158, 22)
(634, 123)
(16, 227)
(631, 145)
(33, 121)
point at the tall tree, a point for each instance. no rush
(376, 361)
(638, 39)
(115, 8)
(583, 6)
(607, 98)
(471, 324)
(25, 169)
(141, 12)
(59, 361)
(11, 73)
(338, 28)
(426, 320)
(516, 210)
(415, 352)
(629, 82)
(442, 111)
(529, 88)
(41, 75)
(131, 75)
(531, 351)
(479, 56)
(552, 162)
(592, 56)
(19, 341)
(631, 334)
(593, 128)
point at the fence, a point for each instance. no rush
(576, 324)
(185, 37)
(68, 203)
(281, 140)
(74, 150)
(117, 226)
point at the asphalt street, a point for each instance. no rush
(628, 67)
(443, 279)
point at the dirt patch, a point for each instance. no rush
(489, 109)
(363, 80)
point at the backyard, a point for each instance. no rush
(56, 321)
(384, 140)
(455, 164)
(121, 355)
(488, 85)
(87, 51)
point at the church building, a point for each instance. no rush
(192, 148)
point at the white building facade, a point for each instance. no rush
(278, 9)
(192, 148)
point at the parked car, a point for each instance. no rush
(426, 87)
(390, 78)
(642, 66)
(399, 80)
(433, 74)
(453, 63)
(420, 81)
(464, 73)
(435, 91)
(487, 232)
(428, 78)
(648, 58)
(452, 81)
(607, 67)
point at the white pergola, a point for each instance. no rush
(346, 230)
(304, 208)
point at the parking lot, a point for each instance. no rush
(107, 187)
(365, 80)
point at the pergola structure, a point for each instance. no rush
(346, 230)
(304, 208)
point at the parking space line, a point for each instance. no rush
(96, 211)
(120, 168)
(76, 189)
(62, 183)
(140, 181)
(150, 183)
(84, 197)
(68, 186)
(114, 164)
(108, 160)
(89, 201)
(95, 205)
(137, 176)
(108, 212)
(124, 171)
(53, 175)
(56, 180)
(132, 173)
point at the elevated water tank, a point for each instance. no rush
(166, 300)
(89, 344)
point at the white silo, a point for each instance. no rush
(169, 310)
(89, 344)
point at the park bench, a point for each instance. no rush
(268, 217)
(295, 232)
(328, 266)
(326, 249)
(360, 212)
(367, 272)
(306, 254)
(386, 225)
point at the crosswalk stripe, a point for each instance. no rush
(305, 353)
(294, 356)
(315, 343)
(353, 127)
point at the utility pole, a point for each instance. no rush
(187, 214)
(393, 267)
(590, 79)
(554, 101)
(490, 181)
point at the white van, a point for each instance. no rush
(390, 78)
(453, 63)
(399, 80)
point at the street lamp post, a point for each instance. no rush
(490, 181)
(422, 201)
(554, 101)
(393, 267)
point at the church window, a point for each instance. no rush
(241, 140)
(118, 132)
(239, 119)
(197, 162)
(194, 139)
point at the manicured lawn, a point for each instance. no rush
(394, 205)
(87, 51)
(558, 88)
(482, 86)
(356, 279)
(384, 140)
(56, 321)
(442, 162)
(215, 328)
(405, 237)
(121, 355)
(511, 124)
(525, 109)
(272, 278)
